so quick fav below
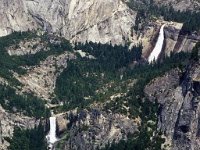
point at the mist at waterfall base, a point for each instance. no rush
(51, 137)
(157, 49)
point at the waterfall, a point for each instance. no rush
(157, 49)
(51, 137)
(52, 133)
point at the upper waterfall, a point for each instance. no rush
(159, 44)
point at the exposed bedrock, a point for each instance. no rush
(178, 95)
(94, 128)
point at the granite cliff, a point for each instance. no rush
(92, 129)
(9, 121)
(178, 95)
(97, 21)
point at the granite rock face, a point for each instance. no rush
(15, 17)
(174, 42)
(9, 121)
(178, 94)
(90, 129)
(41, 79)
(77, 20)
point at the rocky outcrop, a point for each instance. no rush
(41, 79)
(9, 121)
(65, 120)
(178, 95)
(62, 123)
(28, 47)
(95, 128)
(186, 43)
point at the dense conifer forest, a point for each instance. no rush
(29, 139)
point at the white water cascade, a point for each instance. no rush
(51, 137)
(159, 44)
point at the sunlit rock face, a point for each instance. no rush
(77, 20)
(15, 17)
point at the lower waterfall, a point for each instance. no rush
(159, 44)
(51, 137)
